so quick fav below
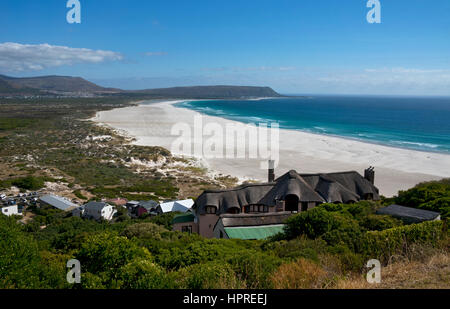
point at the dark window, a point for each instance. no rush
(187, 229)
(221, 234)
(233, 210)
(210, 210)
(291, 203)
(304, 206)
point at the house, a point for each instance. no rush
(139, 208)
(185, 223)
(292, 192)
(11, 211)
(250, 226)
(99, 211)
(146, 207)
(175, 206)
(408, 214)
(78, 212)
(58, 202)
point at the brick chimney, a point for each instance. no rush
(369, 174)
(271, 170)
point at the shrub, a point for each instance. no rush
(379, 222)
(145, 230)
(441, 205)
(108, 252)
(301, 247)
(211, 275)
(301, 274)
(143, 274)
(384, 244)
(254, 268)
(333, 227)
(424, 193)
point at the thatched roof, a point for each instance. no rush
(342, 187)
(235, 198)
(291, 183)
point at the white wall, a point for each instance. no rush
(11, 210)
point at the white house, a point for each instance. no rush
(11, 211)
(98, 211)
(176, 206)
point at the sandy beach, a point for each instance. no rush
(396, 169)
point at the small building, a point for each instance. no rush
(99, 211)
(58, 202)
(78, 212)
(250, 226)
(11, 211)
(185, 223)
(146, 207)
(408, 214)
(175, 206)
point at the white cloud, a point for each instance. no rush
(15, 57)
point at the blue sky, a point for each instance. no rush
(301, 46)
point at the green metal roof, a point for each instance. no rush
(254, 232)
(188, 217)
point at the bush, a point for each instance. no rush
(145, 230)
(108, 252)
(333, 227)
(254, 268)
(379, 222)
(211, 275)
(301, 274)
(424, 193)
(143, 274)
(301, 247)
(384, 244)
(441, 205)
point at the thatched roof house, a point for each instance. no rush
(345, 187)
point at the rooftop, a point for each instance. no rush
(409, 214)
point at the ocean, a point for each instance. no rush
(416, 123)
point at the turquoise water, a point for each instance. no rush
(412, 123)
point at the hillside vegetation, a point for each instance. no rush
(326, 247)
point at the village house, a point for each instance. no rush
(292, 192)
(12, 210)
(175, 206)
(58, 202)
(139, 208)
(99, 211)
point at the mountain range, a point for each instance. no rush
(77, 86)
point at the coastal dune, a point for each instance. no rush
(396, 169)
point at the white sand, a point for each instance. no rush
(396, 169)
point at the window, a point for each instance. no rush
(210, 209)
(221, 234)
(187, 229)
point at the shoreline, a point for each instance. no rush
(150, 123)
